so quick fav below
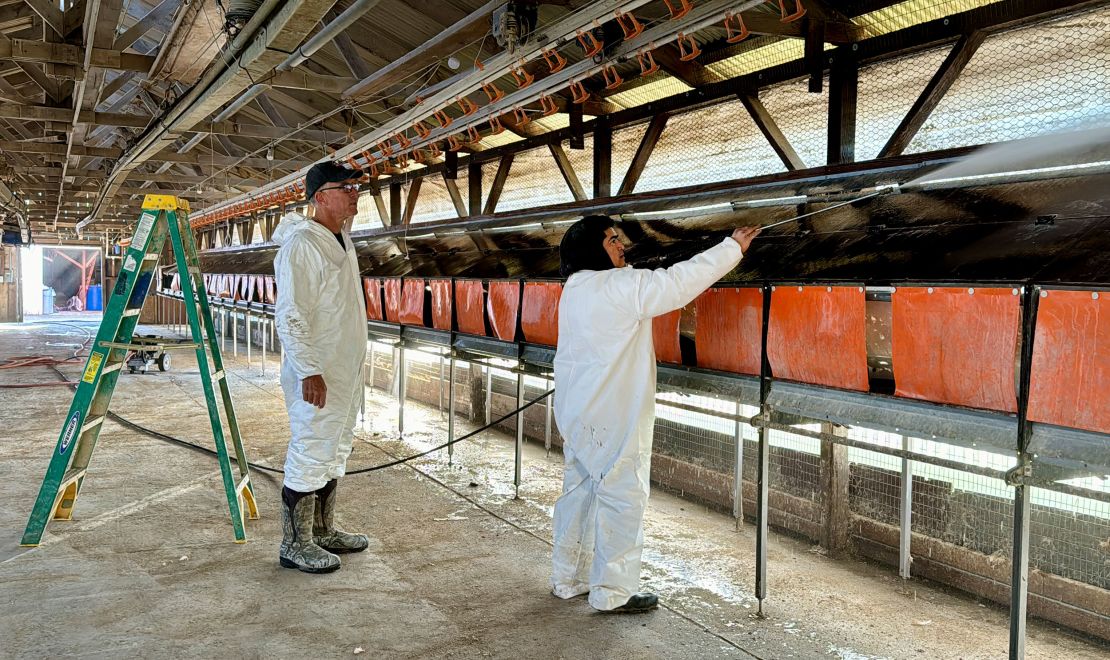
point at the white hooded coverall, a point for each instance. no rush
(321, 321)
(605, 411)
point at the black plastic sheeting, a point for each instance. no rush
(1046, 231)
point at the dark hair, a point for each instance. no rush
(583, 246)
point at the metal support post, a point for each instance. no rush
(762, 476)
(247, 327)
(442, 377)
(234, 335)
(1019, 579)
(738, 478)
(265, 324)
(223, 329)
(401, 391)
(373, 353)
(451, 410)
(547, 421)
(518, 456)
(905, 532)
(489, 394)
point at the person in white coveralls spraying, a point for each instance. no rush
(605, 404)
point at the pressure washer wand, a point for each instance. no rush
(883, 190)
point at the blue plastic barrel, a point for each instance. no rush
(94, 300)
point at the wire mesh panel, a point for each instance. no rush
(700, 438)
(1025, 82)
(434, 201)
(718, 143)
(886, 92)
(1069, 536)
(582, 160)
(803, 118)
(534, 180)
(381, 355)
(795, 464)
(874, 485)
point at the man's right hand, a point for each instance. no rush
(744, 236)
(314, 390)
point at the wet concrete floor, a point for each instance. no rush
(457, 567)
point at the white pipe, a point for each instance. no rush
(326, 34)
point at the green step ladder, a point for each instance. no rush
(163, 216)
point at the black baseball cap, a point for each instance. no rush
(326, 172)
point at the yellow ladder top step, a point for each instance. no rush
(165, 203)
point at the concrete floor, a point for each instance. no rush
(456, 566)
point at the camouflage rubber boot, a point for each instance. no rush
(297, 548)
(324, 532)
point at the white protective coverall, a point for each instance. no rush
(321, 321)
(605, 411)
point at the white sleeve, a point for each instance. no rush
(298, 270)
(666, 289)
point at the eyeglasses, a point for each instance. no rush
(346, 187)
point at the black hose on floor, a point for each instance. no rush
(185, 443)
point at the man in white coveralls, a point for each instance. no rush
(605, 404)
(321, 320)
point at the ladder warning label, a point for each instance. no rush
(90, 369)
(143, 231)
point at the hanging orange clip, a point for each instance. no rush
(520, 117)
(402, 161)
(732, 35)
(472, 136)
(422, 129)
(548, 105)
(680, 11)
(495, 126)
(523, 78)
(434, 151)
(352, 163)
(386, 149)
(579, 93)
(612, 78)
(402, 141)
(467, 106)
(684, 54)
(589, 42)
(494, 92)
(559, 61)
(648, 65)
(443, 118)
(799, 11)
(453, 143)
(632, 27)
(419, 157)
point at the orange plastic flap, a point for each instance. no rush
(373, 289)
(271, 292)
(664, 334)
(259, 287)
(817, 336)
(392, 300)
(504, 306)
(469, 307)
(1070, 381)
(730, 329)
(956, 345)
(175, 283)
(539, 313)
(441, 304)
(412, 302)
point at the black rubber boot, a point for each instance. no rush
(324, 532)
(644, 602)
(297, 547)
